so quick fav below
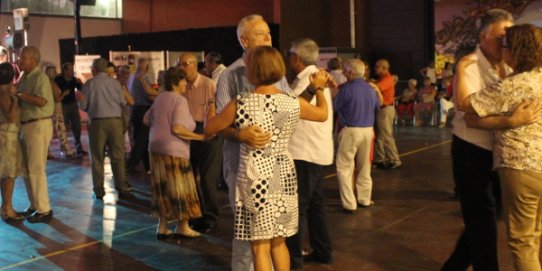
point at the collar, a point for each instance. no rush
(484, 64)
(306, 72)
(196, 81)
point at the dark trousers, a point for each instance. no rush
(140, 150)
(71, 116)
(479, 194)
(206, 161)
(312, 211)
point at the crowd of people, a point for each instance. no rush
(270, 140)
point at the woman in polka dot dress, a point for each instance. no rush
(266, 210)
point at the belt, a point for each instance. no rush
(34, 120)
(386, 105)
(108, 118)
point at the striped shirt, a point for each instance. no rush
(232, 82)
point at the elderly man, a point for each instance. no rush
(68, 83)
(252, 31)
(386, 155)
(311, 147)
(477, 184)
(356, 104)
(37, 107)
(205, 157)
(103, 101)
(214, 65)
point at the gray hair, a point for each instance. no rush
(99, 65)
(493, 16)
(356, 66)
(306, 49)
(32, 52)
(242, 25)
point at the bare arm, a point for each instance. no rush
(146, 87)
(127, 96)
(56, 92)
(181, 132)
(218, 123)
(525, 113)
(314, 113)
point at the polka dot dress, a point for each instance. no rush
(266, 188)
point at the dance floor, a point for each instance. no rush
(412, 226)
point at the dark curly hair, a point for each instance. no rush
(172, 77)
(525, 43)
(6, 73)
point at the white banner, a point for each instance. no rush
(155, 59)
(82, 66)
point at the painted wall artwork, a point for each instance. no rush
(456, 23)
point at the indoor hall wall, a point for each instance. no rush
(45, 32)
(168, 15)
(401, 31)
(327, 22)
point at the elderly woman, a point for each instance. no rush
(266, 188)
(58, 117)
(10, 163)
(174, 194)
(517, 152)
(406, 101)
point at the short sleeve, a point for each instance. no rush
(182, 116)
(499, 98)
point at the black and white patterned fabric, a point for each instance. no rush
(266, 188)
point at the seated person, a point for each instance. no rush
(445, 102)
(406, 101)
(426, 98)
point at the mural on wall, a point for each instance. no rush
(459, 31)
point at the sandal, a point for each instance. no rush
(187, 234)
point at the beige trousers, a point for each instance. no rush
(522, 202)
(385, 149)
(355, 150)
(35, 140)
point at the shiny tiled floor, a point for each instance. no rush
(413, 226)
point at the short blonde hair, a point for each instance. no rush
(264, 66)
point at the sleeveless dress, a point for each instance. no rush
(266, 187)
(10, 158)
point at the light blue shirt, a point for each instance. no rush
(103, 97)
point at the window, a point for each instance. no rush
(102, 8)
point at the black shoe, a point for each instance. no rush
(129, 187)
(381, 165)
(314, 258)
(28, 212)
(349, 212)
(11, 219)
(40, 218)
(126, 195)
(204, 227)
(163, 236)
(98, 197)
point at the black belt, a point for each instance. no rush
(108, 118)
(34, 120)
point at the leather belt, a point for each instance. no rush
(34, 120)
(108, 118)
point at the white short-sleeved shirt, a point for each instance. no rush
(479, 75)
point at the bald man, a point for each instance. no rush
(205, 157)
(386, 155)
